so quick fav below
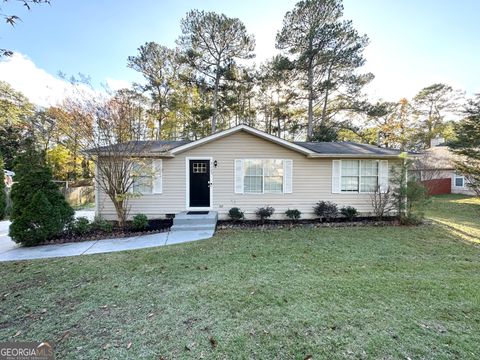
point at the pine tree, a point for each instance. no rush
(327, 51)
(468, 145)
(212, 43)
(39, 210)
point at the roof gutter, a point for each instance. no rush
(139, 154)
(354, 156)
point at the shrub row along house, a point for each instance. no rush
(247, 168)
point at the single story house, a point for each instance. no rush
(247, 168)
(435, 168)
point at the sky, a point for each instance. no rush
(413, 43)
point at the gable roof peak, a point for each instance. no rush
(248, 129)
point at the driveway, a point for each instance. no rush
(5, 242)
(10, 251)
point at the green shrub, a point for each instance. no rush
(293, 214)
(349, 212)
(417, 200)
(410, 196)
(81, 226)
(326, 210)
(39, 210)
(140, 222)
(101, 224)
(264, 213)
(236, 214)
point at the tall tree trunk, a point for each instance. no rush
(75, 151)
(325, 101)
(159, 130)
(278, 114)
(310, 101)
(215, 99)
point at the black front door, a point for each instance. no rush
(199, 183)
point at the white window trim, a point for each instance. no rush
(263, 178)
(359, 177)
(187, 183)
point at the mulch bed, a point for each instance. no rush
(308, 223)
(154, 226)
(163, 225)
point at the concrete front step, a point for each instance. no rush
(195, 222)
(192, 227)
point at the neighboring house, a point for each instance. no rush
(247, 168)
(8, 177)
(435, 167)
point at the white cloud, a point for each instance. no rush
(115, 84)
(39, 86)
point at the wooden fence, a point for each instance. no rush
(80, 195)
(438, 186)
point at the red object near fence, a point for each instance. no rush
(438, 186)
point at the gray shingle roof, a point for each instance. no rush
(323, 148)
(347, 148)
(437, 158)
(137, 147)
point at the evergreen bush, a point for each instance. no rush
(349, 212)
(39, 210)
(326, 210)
(101, 224)
(236, 214)
(293, 214)
(81, 226)
(264, 213)
(140, 222)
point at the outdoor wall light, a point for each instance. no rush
(215, 163)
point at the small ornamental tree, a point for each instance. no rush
(383, 202)
(3, 194)
(39, 210)
(410, 196)
(108, 132)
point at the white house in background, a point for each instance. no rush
(8, 177)
(437, 164)
(247, 168)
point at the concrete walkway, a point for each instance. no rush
(10, 251)
(102, 246)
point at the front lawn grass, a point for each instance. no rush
(459, 213)
(338, 293)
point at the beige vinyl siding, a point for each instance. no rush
(312, 182)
